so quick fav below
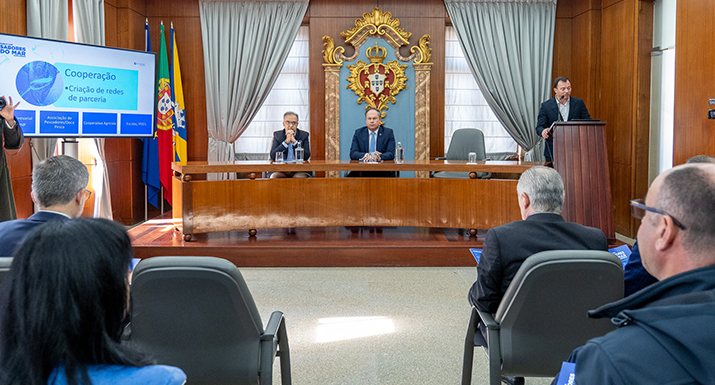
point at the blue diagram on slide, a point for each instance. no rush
(39, 83)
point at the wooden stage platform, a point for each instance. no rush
(313, 246)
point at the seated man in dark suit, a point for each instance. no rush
(59, 189)
(286, 141)
(373, 140)
(562, 107)
(541, 198)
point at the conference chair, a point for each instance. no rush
(5, 263)
(197, 313)
(543, 315)
(464, 141)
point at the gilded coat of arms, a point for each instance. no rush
(376, 83)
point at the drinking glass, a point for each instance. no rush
(279, 157)
(472, 157)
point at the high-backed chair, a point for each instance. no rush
(197, 313)
(464, 141)
(543, 315)
(5, 263)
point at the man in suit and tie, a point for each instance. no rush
(373, 142)
(286, 141)
(59, 189)
(562, 107)
(541, 197)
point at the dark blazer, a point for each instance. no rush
(549, 113)
(12, 233)
(385, 143)
(279, 137)
(10, 139)
(635, 276)
(507, 247)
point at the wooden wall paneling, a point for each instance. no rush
(621, 177)
(641, 135)
(561, 65)
(586, 46)
(138, 6)
(14, 17)
(341, 8)
(618, 61)
(111, 37)
(694, 134)
(564, 9)
(20, 167)
(174, 8)
(582, 6)
(414, 9)
(130, 29)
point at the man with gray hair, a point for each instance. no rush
(285, 142)
(59, 190)
(664, 333)
(541, 197)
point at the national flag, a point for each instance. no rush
(150, 160)
(180, 136)
(164, 113)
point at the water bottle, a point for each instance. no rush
(399, 153)
(299, 153)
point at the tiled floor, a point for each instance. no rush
(372, 325)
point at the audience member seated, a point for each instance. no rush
(541, 198)
(59, 190)
(65, 304)
(285, 141)
(635, 275)
(664, 333)
(372, 143)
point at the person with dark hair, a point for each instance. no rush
(561, 108)
(65, 303)
(59, 190)
(11, 138)
(634, 274)
(372, 142)
(286, 141)
(664, 333)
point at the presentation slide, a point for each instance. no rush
(76, 90)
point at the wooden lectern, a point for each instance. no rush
(581, 159)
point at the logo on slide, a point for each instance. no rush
(39, 83)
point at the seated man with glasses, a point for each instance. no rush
(635, 275)
(59, 189)
(664, 333)
(285, 142)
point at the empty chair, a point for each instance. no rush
(198, 314)
(464, 141)
(543, 315)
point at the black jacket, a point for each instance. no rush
(279, 137)
(507, 247)
(549, 113)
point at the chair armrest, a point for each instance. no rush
(440, 158)
(488, 320)
(272, 327)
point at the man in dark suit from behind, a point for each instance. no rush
(286, 141)
(373, 138)
(562, 107)
(59, 189)
(541, 198)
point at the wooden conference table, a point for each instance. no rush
(202, 206)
